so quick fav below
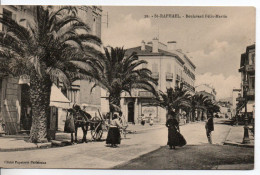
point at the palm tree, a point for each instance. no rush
(211, 106)
(173, 99)
(198, 103)
(50, 48)
(117, 72)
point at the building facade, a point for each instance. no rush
(15, 110)
(236, 93)
(169, 65)
(247, 70)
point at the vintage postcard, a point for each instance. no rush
(127, 87)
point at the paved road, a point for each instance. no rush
(97, 155)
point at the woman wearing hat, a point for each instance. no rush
(174, 136)
(113, 136)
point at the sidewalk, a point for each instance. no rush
(19, 142)
(235, 137)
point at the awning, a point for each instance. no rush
(58, 99)
(250, 106)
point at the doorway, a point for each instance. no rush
(26, 111)
(131, 113)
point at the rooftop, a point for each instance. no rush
(148, 52)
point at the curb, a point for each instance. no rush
(146, 129)
(225, 140)
(37, 146)
(239, 144)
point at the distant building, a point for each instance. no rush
(169, 65)
(225, 108)
(247, 70)
(15, 110)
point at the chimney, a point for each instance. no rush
(143, 45)
(155, 45)
(171, 45)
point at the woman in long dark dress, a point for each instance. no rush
(113, 136)
(174, 136)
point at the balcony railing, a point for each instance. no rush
(155, 75)
(169, 76)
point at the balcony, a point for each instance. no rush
(145, 94)
(169, 76)
(250, 68)
(155, 75)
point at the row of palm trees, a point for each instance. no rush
(56, 45)
(179, 98)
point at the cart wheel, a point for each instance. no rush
(96, 135)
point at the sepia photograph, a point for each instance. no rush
(127, 87)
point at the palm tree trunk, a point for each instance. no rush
(40, 90)
(114, 99)
(193, 115)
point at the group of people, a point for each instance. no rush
(150, 120)
(175, 138)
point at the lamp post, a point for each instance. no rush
(246, 139)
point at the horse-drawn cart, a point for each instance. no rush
(97, 125)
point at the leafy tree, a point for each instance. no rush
(55, 45)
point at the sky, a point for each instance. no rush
(213, 44)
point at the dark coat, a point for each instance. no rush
(69, 124)
(210, 124)
(174, 136)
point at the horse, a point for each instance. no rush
(81, 119)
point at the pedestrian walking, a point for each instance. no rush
(151, 120)
(142, 120)
(174, 136)
(113, 136)
(209, 127)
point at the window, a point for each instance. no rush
(252, 82)
(252, 59)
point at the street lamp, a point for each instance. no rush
(246, 139)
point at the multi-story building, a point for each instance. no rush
(247, 70)
(169, 65)
(15, 110)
